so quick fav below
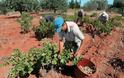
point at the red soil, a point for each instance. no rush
(11, 38)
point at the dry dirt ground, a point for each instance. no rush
(99, 51)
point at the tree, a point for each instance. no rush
(22, 5)
(96, 5)
(119, 5)
(60, 5)
(102, 4)
(74, 4)
(3, 8)
(90, 5)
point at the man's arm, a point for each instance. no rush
(84, 44)
(84, 41)
(61, 46)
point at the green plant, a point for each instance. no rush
(45, 29)
(70, 18)
(25, 22)
(21, 64)
(46, 58)
(67, 56)
(99, 27)
(87, 19)
(93, 15)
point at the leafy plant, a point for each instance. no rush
(25, 22)
(21, 64)
(99, 27)
(45, 29)
(46, 58)
(67, 56)
(93, 15)
(87, 19)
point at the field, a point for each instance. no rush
(101, 50)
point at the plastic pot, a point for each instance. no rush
(84, 68)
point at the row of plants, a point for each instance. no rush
(45, 29)
(99, 28)
(46, 58)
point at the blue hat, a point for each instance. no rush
(58, 23)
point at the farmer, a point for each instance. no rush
(48, 18)
(103, 17)
(80, 16)
(69, 34)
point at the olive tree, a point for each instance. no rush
(22, 5)
(96, 5)
(55, 5)
(119, 5)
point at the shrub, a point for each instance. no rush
(3, 9)
(45, 29)
(21, 64)
(46, 58)
(70, 17)
(87, 19)
(25, 22)
(99, 27)
(108, 26)
(93, 15)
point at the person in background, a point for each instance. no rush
(80, 16)
(69, 33)
(103, 17)
(48, 18)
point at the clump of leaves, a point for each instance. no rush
(67, 56)
(25, 22)
(45, 29)
(21, 64)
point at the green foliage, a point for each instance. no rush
(93, 15)
(87, 19)
(90, 5)
(67, 56)
(102, 4)
(22, 5)
(70, 18)
(105, 28)
(74, 4)
(96, 5)
(3, 8)
(118, 6)
(21, 64)
(55, 5)
(47, 56)
(45, 29)
(118, 3)
(25, 22)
